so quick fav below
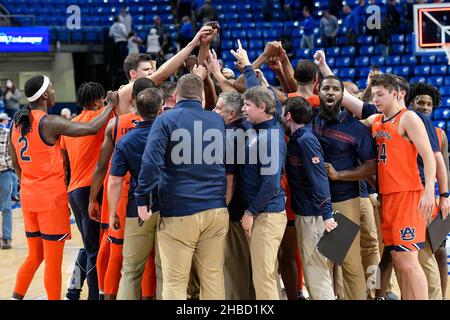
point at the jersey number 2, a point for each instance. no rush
(382, 157)
(24, 149)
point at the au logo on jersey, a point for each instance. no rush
(408, 234)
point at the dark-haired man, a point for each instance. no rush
(116, 128)
(349, 148)
(81, 154)
(310, 195)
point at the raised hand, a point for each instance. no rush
(212, 64)
(241, 56)
(200, 71)
(204, 31)
(272, 49)
(319, 57)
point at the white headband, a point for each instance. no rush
(42, 89)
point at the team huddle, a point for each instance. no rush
(214, 187)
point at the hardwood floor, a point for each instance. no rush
(10, 261)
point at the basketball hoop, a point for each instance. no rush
(446, 48)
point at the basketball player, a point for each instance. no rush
(37, 160)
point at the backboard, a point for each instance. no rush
(431, 27)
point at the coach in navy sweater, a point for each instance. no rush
(310, 195)
(181, 158)
(264, 219)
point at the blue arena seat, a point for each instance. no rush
(441, 114)
(401, 71)
(417, 79)
(365, 40)
(444, 90)
(439, 70)
(393, 60)
(398, 49)
(409, 60)
(440, 124)
(428, 59)
(436, 81)
(362, 62)
(348, 51)
(398, 38)
(423, 70)
(379, 60)
(343, 62)
(348, 73)
(366, 50)
(332, 52)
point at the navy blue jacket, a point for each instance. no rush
(308, 179)
(260, 181)
(370, 109)
(237, 206)
(174, 160)
(346, 143)
(127, 157)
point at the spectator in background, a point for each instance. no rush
(184, 8)
(126, 19)
(186, 32)
(336, 7)
(6, 182)
(408, 15)
(308, 30)
(119, 33)
(266, 7)
(133, 42)
(351, 23)
(160, 27)
(393, 17)
(287, 46)
(208, 12)
(309, 4)
(329, 27)
(66, 113)
(12, 98)
(153, 45)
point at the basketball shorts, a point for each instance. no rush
(53, 225)
(402, 227)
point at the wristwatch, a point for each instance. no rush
(444, 195)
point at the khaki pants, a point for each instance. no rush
(137, 246)
(393, 284)
(315, 266)
(352, 269)
(267, 233)
(238, 268)
(200, 239)
(431, 269)
(370, 252)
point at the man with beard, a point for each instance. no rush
(310, 195)
(348, 147)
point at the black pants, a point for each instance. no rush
(86, 263)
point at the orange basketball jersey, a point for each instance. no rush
(83, 152)
(42, 178)
(122, 124)
(397, 157)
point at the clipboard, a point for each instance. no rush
(437, 231)
(335, 244)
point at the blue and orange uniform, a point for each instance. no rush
(83, 154)
(44, 206)
(402, 227)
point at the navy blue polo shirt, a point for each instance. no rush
(260, 176)
(370, 109)
(346, 143)
(184, 157)
(127, 157)
(308, 179)
(236, 207)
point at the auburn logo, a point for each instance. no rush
(408, 234)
